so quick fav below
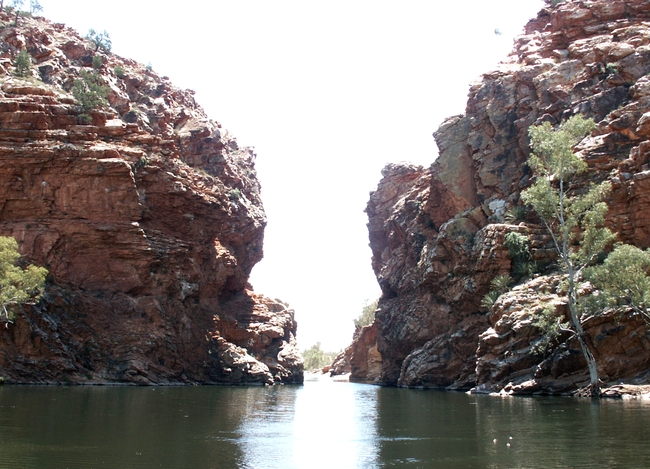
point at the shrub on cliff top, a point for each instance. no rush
(100, 40)
(17, 285)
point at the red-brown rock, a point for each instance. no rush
(149, 221)
(437, 235)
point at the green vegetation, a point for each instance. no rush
(515, 215)
(100, 40)
(98, 62)
(622, 279)
(119, 71)
(234, 195)
(90, 92)
(611, 68)
(23, 64)
(18, 286)
(367, 315)
(574, 220)
(547, 321)
(17, 6)
(498, 286)
(315, 358)
(519, 251)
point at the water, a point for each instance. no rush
(319, 425)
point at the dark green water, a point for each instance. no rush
(319, 425)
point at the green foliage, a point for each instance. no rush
(235, 195)
(23, 64)
(611, 68)
(574, 220)
(622, 279)
(98, 62)
(315, 358)
(499, 285)
(367, 315)
(517, 245)
(34, 7)
(17, 286)
(119, 71)
(100, 40)
(488, 300)
(551, 327)
(141, 163)
(90, 92)
(515, 215)
(519, 251)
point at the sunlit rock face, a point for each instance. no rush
(149, 219)
(437, 233)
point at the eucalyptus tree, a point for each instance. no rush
(572, 214)
(17, 285)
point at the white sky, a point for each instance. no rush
(327, 93)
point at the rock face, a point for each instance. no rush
(437, 234)
(149, 219)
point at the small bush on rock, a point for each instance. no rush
(90, 92)
(23, 64)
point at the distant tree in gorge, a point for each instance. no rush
(100, 40)
(17, 285)
(574, 220)
(315, 358)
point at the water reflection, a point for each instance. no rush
(322, 425)
(319, 425)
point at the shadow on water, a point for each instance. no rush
(319, 425)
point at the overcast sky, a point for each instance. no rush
(328, 93)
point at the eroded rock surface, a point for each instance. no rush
(149, 219)
(437, 234)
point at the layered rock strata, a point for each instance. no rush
(149, 219)
(437, 234)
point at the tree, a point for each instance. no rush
(367, 315)
(34, 7)
(622, 279)
(100, 40)
(17, 286)
(17, 5)
(22, 64)
(572, 216)
(315, 358)
(90, 92)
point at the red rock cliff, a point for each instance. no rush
(149, 220)
(437, 234)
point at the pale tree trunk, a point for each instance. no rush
(580, 333)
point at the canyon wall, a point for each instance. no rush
(149, 218)
(437, 233)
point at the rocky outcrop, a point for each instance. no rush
(149, 219)
(437, 234)
(362, 359)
